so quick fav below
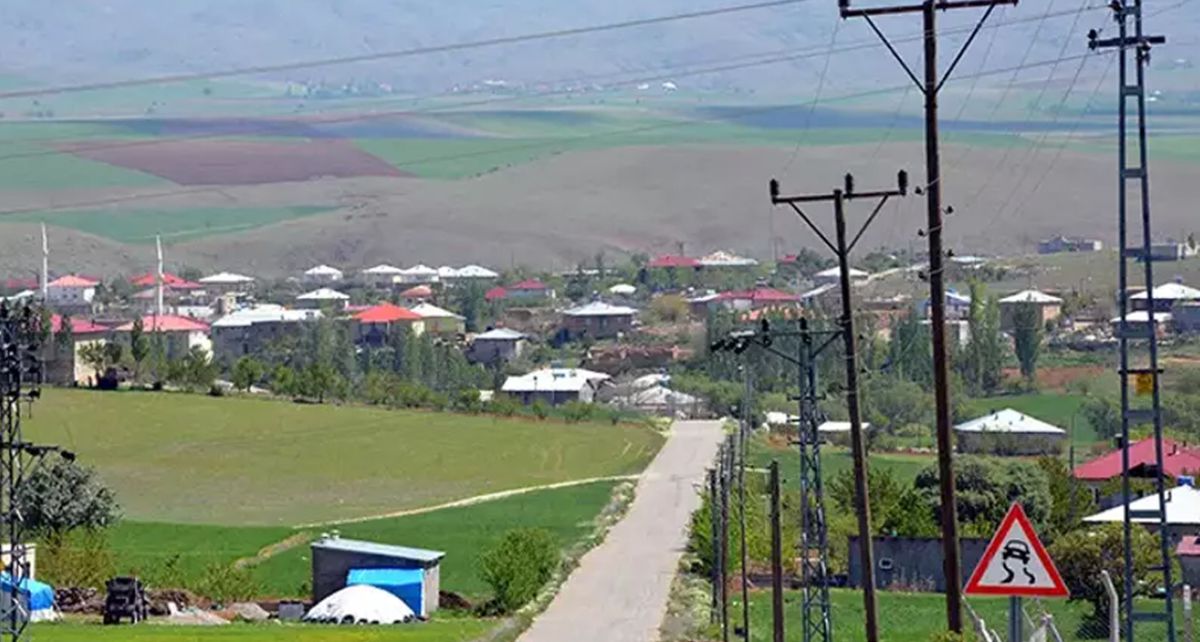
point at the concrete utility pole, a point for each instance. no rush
(842, 248)
(931, 85)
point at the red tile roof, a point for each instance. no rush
(529, 284)
(169, 280)
(166, 323)
(418, 292)
(386, 313)
(495, 294)
(1178, 460)
(79, 325)
(1189, 546)
(72, 281)
(22, 284)
(672, 261)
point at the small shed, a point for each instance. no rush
(1009, 432)
(333, 558)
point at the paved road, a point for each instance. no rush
(619, 592)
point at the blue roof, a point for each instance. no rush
(385, 576)
(372, 548)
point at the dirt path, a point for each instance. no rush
(469, 501)
(619, 592)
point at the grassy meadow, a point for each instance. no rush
(175, 225)
(236, 461)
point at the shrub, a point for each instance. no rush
(224, 583)
(61, 496)
(540, 409)
(577, 411)
(80, 558)
(517, 566)
(467, 400)
(503, 405)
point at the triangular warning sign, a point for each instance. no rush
(1016, 563)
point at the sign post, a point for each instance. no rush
(1016, 564)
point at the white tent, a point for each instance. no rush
(361, 604)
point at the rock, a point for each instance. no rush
(248, 612)
(158, 599)
(194, 617)
(453, 601)
(79, 600)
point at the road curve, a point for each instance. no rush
(619, 592)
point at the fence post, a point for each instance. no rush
(1114, 610)
(1188, 633)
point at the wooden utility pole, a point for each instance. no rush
(930, 86)
(842, 248)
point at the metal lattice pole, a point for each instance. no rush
(814, 545)
(1147, 332)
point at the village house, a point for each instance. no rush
(722, 259)
(439, 320)
(958, 306)
(177, 292)
(758, 298)
(597, 320)
(323, 298)
(471, 273)
(1049, 307)
(527, 290)
(415, 295)
(373, 325)
(322, 275)
(250, 330)
(1179, 460)
(417, 274)
(227, 282)
(382, 275)
(1009, 432)
(1139, 324)
(1166, 297)
(66, 367)
(497, 346)
(72, 294)
(834, 276)
(555, 386)
(179, 334)
(1059, 244)
(1182, 512)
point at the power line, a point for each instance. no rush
(753, 60)
(402, 53)
(566, 140)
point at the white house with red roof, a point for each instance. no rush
(527, 290)
(71, 293)
(180, 334)
(374, 324)
(756, 299)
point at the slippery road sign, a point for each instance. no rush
(1016, 563)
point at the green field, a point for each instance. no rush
(32, 166)
(834, 460)
(176, 225)
(462, 533)
(436, 631)
(236, 461)
(914, 617)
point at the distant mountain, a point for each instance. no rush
(82, 40)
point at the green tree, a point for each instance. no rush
(195, 370)
(1027, 337)
(139, 347)
(95, 356)
(60, 496)
(1082, 554)
(517, 566)
(64, 339)
(318, 381)
(910, 352)
(983, 357)
(985, 490)
(1104, 415)
(284, 381)
(469, 298)
(247, 372)
(1070, 499)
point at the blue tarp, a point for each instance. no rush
(405, 583)
(39, 594)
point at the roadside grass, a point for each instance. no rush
(175, 225)
(440, 630)
(195, 459)
(462, 533)
(916, 617)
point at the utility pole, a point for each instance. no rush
(715, 523)
(842, 248)
(816, 621)
(776, 556)
(740, 451)
(931, 86)
(1145, 334)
